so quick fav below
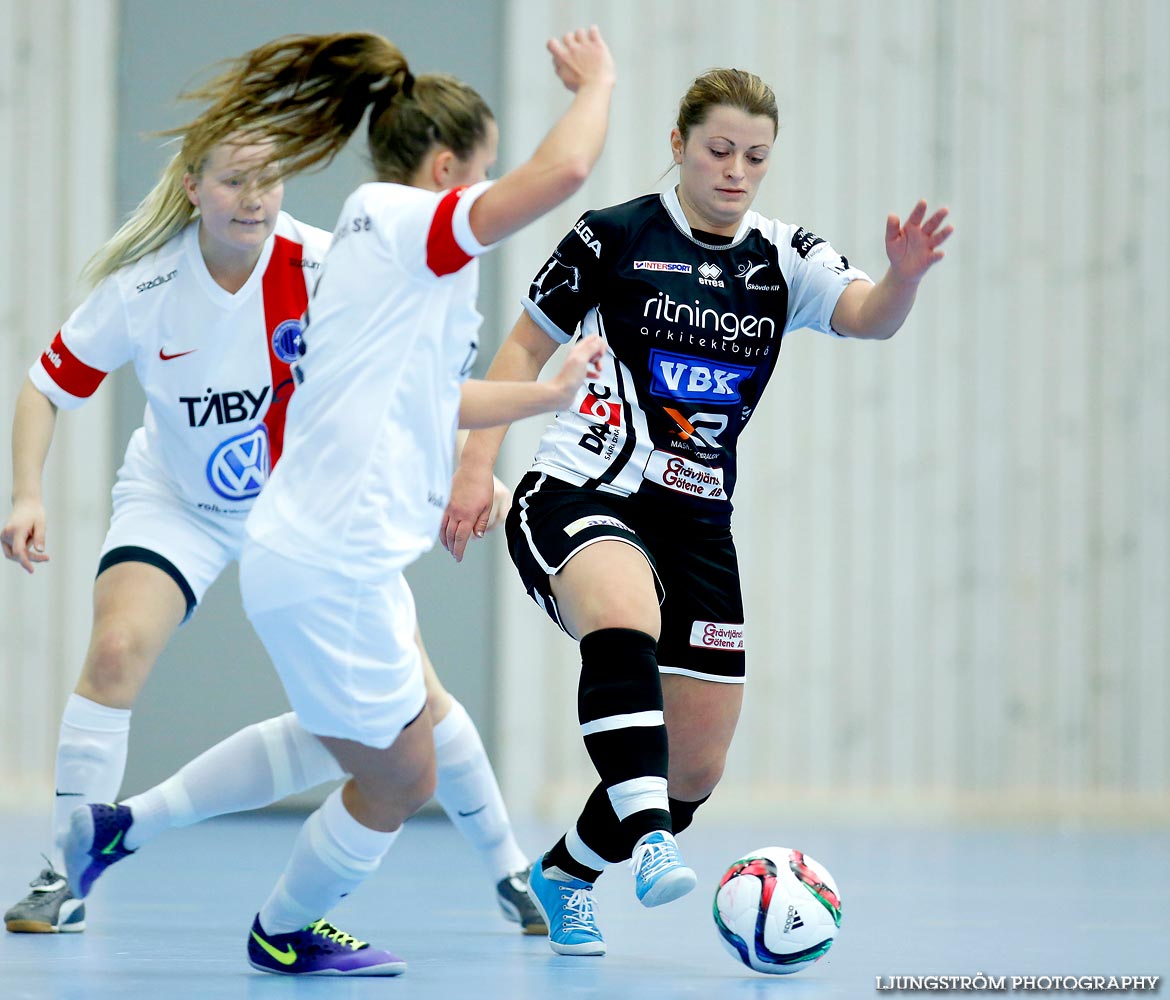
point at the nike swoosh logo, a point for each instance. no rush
(62, 795)
(163, 356)
(286, 957)
(113, 844)
(473, 811)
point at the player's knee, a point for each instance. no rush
(115, 666)
(695, 780)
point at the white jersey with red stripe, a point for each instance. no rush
(214, 365)
(390, 336)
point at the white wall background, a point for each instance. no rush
(955, 545)
(57, 124)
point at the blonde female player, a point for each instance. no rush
(390, 339)
(203, 290)
(694, 292)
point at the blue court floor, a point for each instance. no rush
(172, 922)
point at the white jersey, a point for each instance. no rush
(390, 336)
(214, 365)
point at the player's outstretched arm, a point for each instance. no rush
(560, 164)
(877, 311)
(521, 358)
(23, 536)
(491, 404)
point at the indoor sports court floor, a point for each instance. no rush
(172, 922)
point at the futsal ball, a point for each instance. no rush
(777, 910)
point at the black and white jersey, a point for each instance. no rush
(693, 327)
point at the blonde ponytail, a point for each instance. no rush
(159, 216)
(301, 97)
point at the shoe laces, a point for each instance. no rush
(49, 876)
(580, 911)
(652, 859)
(331, 933)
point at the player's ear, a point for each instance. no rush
(443, 168)
(676, 144)
(191, 186)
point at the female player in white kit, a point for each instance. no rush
(390, 338)
(209, 312)
(621, 530)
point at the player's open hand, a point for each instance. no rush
(23, 536)
(913, 246)
(469, 511)
(581, 57)
(583, 362)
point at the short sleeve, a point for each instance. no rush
(817, 275)
(569, 283)
(93, 342)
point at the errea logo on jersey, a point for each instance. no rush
(682, 377)
(709, 275)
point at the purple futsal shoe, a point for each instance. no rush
(318, 950)
(94, 842)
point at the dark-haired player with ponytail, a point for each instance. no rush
(381, 374)
(621, 530)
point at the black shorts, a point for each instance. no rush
(694, 563)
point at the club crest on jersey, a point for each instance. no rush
(238, 468)
(556, 275)
(286, 339)
(662, 265)
(679, 376)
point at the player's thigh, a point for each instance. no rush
(701, 717)
(608, 584)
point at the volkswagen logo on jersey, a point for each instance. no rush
(286, 339)
(238, 468)
(680, 376)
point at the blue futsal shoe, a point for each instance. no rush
(568, 907)
(318, 950)
(659, 873)
(94, 842)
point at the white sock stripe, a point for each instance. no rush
(272, 733)
(638, 794)
(582, 853)
(627, 721)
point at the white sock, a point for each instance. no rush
(333, 855)
(255, 767)
(468, 792)
(91, 761)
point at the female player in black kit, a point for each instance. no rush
(621, 529)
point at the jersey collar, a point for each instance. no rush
(671, 203)
(219, 295)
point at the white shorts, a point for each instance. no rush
(344, 648)
(190, 545)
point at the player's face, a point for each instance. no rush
(482, 158)
(237, 200)
(721, 165)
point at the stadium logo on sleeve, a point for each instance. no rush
(238, 468)
(553, 277)
(662, 265)
(286, 339)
